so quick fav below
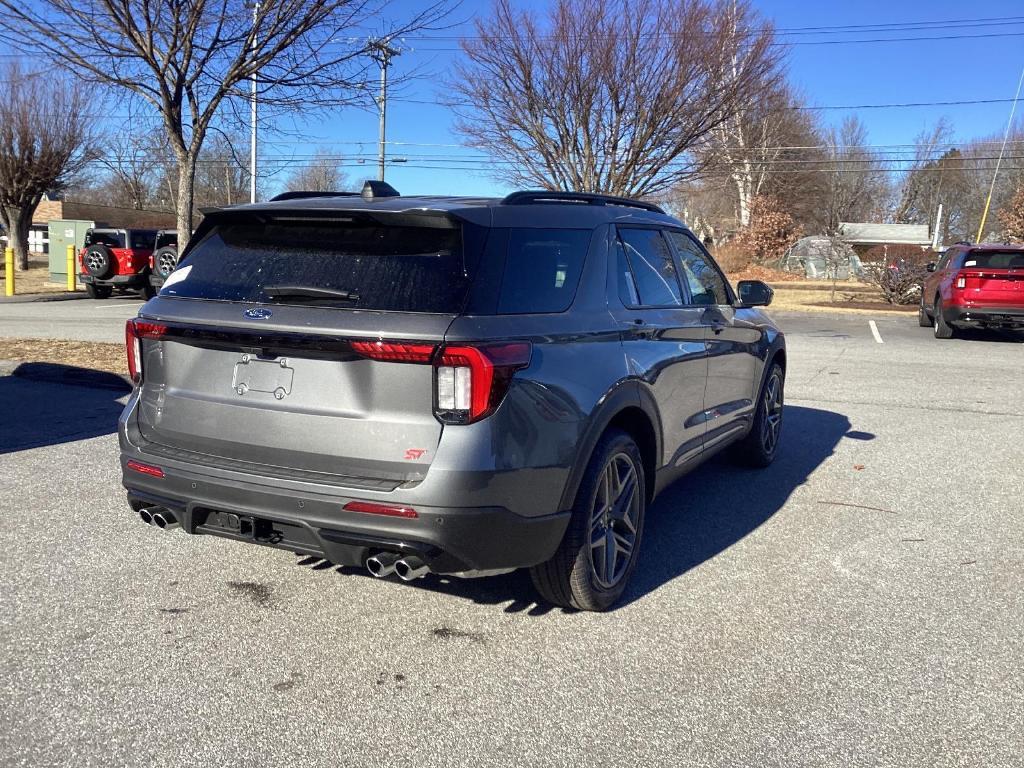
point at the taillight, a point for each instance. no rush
(471, 381)
(389, 352)
(961, 281)
(134, 331)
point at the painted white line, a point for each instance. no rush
(874, 332)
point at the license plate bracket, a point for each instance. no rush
(273, 377)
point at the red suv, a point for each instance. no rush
(974, 286)
(116, 258)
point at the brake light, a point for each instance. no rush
(394, 353)
(380, 509)
(961, 281)
(134, 331)
(145, 469)
(471, 381)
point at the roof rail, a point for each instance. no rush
(590, 198)
(303, 194)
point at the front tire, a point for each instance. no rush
(923, 319)
(759, 447)
(598, 554)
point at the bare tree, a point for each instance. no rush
(322, 174)
(127, 157)
(188, 59)
(1012, 217)
(45, 139)
(857, 181)
(607, 95)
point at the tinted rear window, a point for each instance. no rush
(143, 239)
(397, 268)
(995, 259)
(109, 239)
(542, 269)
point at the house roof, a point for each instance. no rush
(866, 233)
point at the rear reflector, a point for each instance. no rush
(380, 509)
(145, 469)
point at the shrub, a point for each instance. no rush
(771, 232)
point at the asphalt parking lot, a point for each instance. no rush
(859, 603)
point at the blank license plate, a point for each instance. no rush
(273, 376)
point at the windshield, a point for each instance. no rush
(367, 265)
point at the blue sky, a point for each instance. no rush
(969, 68)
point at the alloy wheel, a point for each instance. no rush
(771, 423)
(613, 521)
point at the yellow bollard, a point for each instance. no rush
(71, 268)
(9, 271)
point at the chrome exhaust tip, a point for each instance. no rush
(410, 568)
(165, 520)
(382, 564)
(146, 516)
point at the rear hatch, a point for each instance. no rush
(993, 278)
(295, 346)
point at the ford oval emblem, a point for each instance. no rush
(258, 313)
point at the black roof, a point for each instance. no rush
(542, 207)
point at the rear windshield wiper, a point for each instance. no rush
(309, 292)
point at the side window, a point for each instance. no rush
(706, 284)
(944, 261)
(542, 269)
(647, 272)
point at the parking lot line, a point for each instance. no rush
(874, 332)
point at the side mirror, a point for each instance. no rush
(754, 293)
(930, 266)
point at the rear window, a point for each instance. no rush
(143, 239)
(995, 259)
(109, 239)
(542, 270)
(396, 268)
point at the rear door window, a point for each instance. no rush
(647, 271)
(404, 268)
(542, 269)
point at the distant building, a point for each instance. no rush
(862, 237)
(53, 208)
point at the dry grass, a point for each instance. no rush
(33, 280)
(81, 354)
(803, 300)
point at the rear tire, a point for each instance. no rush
(598, 554)
(923, 319)
(943, 330)
(147, 292)
(760, 446)
(98, 291)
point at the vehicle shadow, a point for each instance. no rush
(703, 514)
(49, 404)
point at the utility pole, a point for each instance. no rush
(382, 52)
(252, 116)
(938, 226)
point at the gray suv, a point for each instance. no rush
(444, 385)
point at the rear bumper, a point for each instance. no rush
(448, 539)
(985, 316)
(135, 280)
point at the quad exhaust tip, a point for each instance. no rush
(161, 518)
(146, 516)
(410, 568)
(383, 564)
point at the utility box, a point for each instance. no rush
(65, 232)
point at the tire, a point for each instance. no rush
(943, 330)
(761, 445)
(164, 261)
(580, 574)
(923, 319)
(147, 292)
(98, 261)
(98, 291)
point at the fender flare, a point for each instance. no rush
(625, 394)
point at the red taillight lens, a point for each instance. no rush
(134, 331)
(380, 509)
(471, 381)
(146, 469)
(389, 352)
